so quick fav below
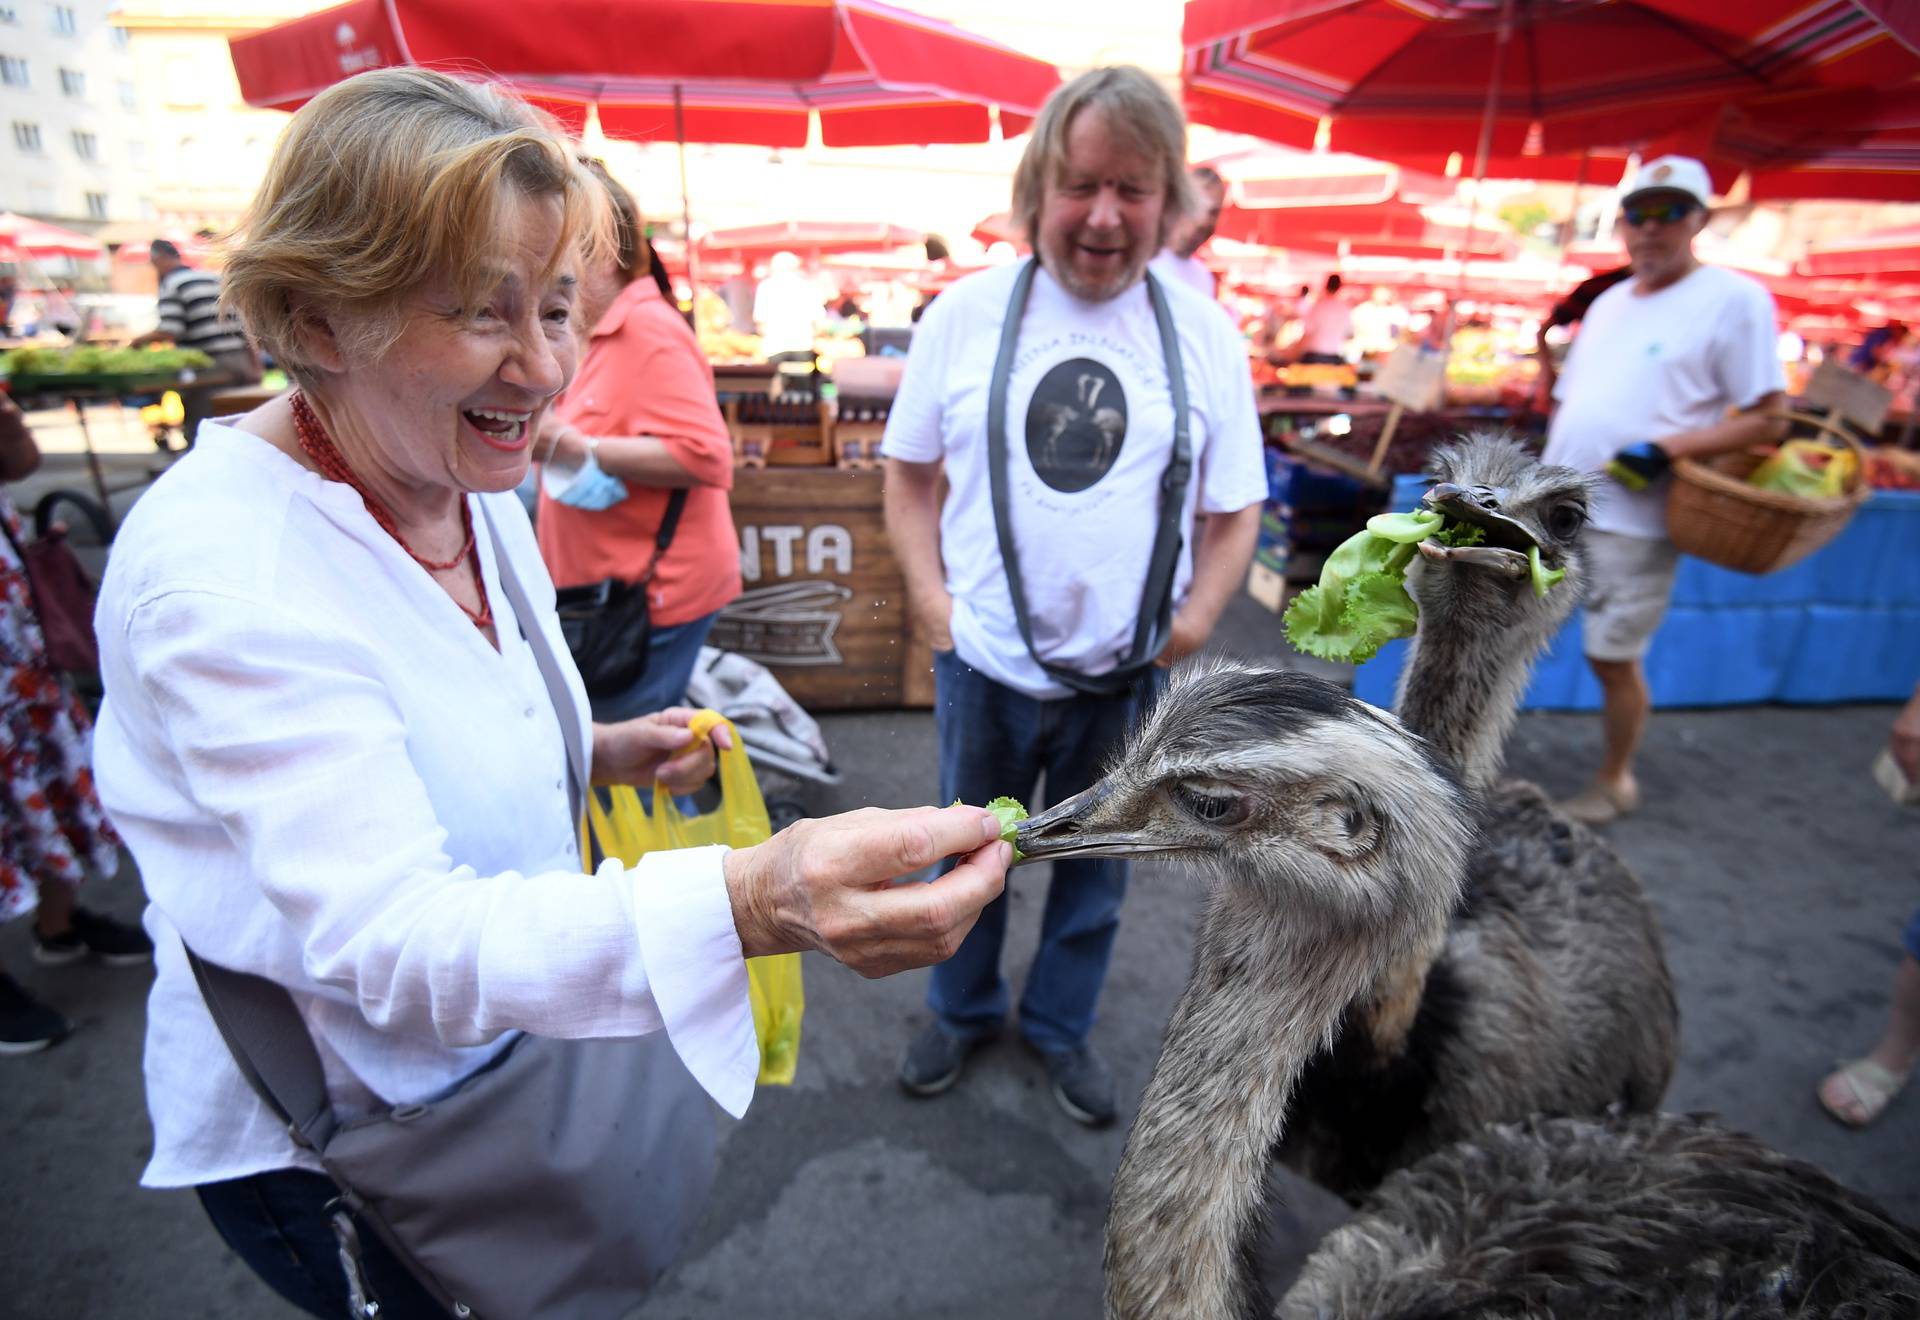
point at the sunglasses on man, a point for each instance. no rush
(1661, 213)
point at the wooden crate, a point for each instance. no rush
(857, 444)
(824, 604)
(762, 444)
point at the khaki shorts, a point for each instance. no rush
(1629, 581)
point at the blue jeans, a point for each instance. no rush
(997, 742)
(671, 655)
(277, 1224)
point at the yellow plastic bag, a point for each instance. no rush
(625, 830)
(1806, 467)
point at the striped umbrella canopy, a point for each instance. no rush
(30, 238)
(1544, 77)
(1891, 256)
(1331, 202)
(1391, 229)
(745, 71)
(1859, 144)
(1862, 144)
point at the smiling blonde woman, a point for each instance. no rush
(327, 735)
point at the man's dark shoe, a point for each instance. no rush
(934, 1061)
(1081, 1084)
(116, 943)
(26, 1024)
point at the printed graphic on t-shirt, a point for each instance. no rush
(1076, 423)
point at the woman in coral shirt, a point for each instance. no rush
(643, 406)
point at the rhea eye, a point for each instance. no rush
(1565, 521)
(1212, 805)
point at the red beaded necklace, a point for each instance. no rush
(326, 456)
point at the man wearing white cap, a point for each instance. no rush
(1676, 362)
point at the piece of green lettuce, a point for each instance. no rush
(1010, 812)
(1543, 577)
(1360, 603)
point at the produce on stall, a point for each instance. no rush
(57, 368)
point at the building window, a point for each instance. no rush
(73, 82)
(26, 136)
(96, 206)
(137, 154)
(129, 96)
(85, 145)
(121, 37)
(64, 22)
(13, 71)
(9, 16)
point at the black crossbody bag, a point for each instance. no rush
(608, 623)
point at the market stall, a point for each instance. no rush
(79, 378)
(824, 605)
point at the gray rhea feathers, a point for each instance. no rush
(1628, 1216)
(1549, 990)
(1480, 632)
(1335, 842)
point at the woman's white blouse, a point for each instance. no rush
(329, 778)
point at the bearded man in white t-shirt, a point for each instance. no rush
(1090, 359)
(1678, 361)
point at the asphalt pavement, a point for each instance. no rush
(1781, 874)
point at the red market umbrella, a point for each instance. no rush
(1391, 230)
(745, 71)
(808, 237)
(1331, 203)
(1887, 256)
(196, 251)
(1543, 77)
(37, 238)
(740, 71)
(999, 228)
(1602, 166)
(1860, 144)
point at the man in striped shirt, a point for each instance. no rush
(190, 317)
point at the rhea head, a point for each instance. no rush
(1519, 504)
(1320, 803)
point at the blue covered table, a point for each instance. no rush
(1841, 625)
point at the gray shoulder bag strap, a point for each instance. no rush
(497, 1209)
(1156, 595)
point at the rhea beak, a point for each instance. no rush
(1062, 831)
(1507, 539)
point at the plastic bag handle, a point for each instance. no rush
(737, 784)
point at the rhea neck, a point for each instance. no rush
(1266, 991)
(1466, 672)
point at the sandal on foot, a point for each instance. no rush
(1869, 1087)
(1599, 803)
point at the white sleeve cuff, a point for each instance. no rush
(697, 970)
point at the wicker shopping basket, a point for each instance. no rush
(1713, 514)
